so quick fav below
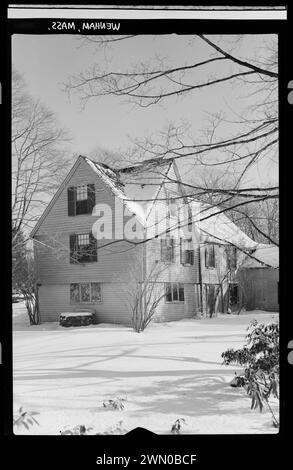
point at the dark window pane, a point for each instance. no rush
(175, 291)
(96, 292)
(168, 292)
(81, 207)
(74, 293)
(233, 294)
(85, 292)
(181, 293)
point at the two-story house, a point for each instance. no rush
(102, 238)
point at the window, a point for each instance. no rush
(210, 261)
(167, 249)
(186, 252)
(83, 239)
(212, 291)
(83, 248)
(174, 292)
(81, 199)
(81, 193)
(85, 292)
(233, 294)
(231, 252)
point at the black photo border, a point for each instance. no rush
(227, 450)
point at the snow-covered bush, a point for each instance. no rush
(260, 357)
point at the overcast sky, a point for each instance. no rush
(109, 122)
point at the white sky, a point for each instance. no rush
(110, 122)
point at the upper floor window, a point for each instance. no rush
(81, 199)
(231, 252)
(83, 248)
(81, 193)
(174, 292)
(167, 249)
(210, 259)
(186, 252)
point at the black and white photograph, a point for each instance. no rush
(145, 230)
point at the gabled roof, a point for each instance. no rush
(129, 184)
(266, 256)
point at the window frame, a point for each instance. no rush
(234, 285)
(171, 245)
(90, 284)
(231, 253)
(179, 287)
(81, 206)
(184, 250)
(81, 254)
(208, 247)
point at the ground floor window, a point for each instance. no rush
(85, 292)
(211, 297)
(233, 294)
(174, 292)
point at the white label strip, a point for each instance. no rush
(22, 13)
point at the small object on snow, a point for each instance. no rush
(116, 404)
(229, 311)
(116, 429)
(79, 430)
(75, 319)
(176, 427)
(237, 381)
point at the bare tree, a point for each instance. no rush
(144, 292)
(235, 145)
(39, 162)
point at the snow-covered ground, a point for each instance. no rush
(171, 370)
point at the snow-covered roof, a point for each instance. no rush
(112, 179)
(216, 227)
(135, 185)
(264, 256)
(138, 186)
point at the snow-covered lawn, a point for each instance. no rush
(172, 370)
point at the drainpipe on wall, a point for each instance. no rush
(200, 279)
(144, 268)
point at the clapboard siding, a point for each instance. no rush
(113, 262)
(51, 242)
(260, 288)
(55, 299)
(177, 311)
(219, 272)
(174, 271)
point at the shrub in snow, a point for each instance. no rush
(116, 429)
(25, 418)
(260, 357)
(79, 430)
(116, 404)
(177, 426)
